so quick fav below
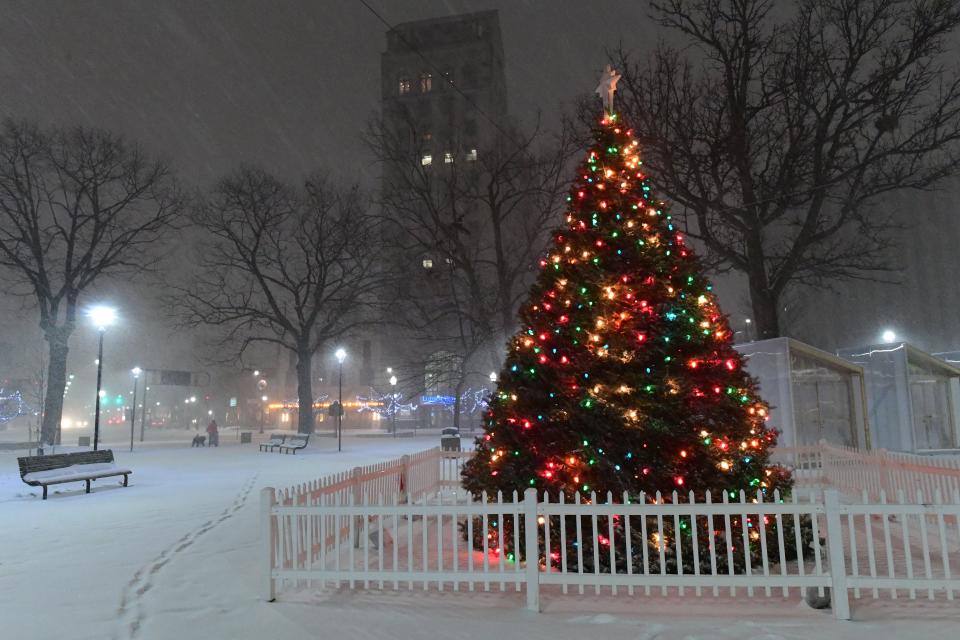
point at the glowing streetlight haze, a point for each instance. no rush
(102, 316)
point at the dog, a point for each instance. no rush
(199, 441)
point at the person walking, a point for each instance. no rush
(213, 436)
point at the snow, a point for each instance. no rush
(175, 556)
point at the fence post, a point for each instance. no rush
(532, 550)
(404, 478)
(357, 492)
(884, 473)
(268, 541)
(838, 566)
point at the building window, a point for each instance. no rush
(426, 82)
(427, 263)
(471, 155)
(447, 158)
(405, 86)
(426, 160)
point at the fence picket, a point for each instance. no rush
(905, 528)
(712, 539)
(563, 542)
(629, 543)
(888, 546)
(762, 526)
(613, 545)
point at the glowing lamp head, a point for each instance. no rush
(263, 398)
(493, 376)
(889, 336)
(341, 355)
(102, 317)
(393, 381)
(136, 371)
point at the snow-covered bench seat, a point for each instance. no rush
(41, 471)
(293, 443)
(276, 440)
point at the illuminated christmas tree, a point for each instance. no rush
(623, 377)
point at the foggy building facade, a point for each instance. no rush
(918, 298)
(443, 87)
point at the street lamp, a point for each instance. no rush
(143, 414)
(493, 377)
(136, 371)
(393, 399)
(263, 411)
(341, 355)
(101, 317)
(889, 336)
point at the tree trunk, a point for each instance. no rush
(57, 339)
(304, 390)
(457, 402)
(766, 313)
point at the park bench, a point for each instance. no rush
(276, 440)
(293, 443)
(84, 466)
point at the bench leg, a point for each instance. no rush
(88, 486)
(125, 479)
(44, 492)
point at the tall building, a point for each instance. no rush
(444, 103)
(440, 74)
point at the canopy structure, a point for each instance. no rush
(913, 397)
(814, 395)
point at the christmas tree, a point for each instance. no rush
(623, 377)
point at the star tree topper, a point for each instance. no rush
(607, 87)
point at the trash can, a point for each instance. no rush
(450, 443)
(246, 437)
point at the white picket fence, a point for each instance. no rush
(876, 471)
(362, 530)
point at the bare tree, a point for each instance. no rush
(284, 266)
(778, 134)
(465, 226)
(76, 206)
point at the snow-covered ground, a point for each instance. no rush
(175, 556)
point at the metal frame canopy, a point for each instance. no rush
(813, 394)
(913, 397)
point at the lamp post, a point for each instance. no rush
(136, 371)
(393, 400)
(263, 411)
(143, 414)
(102, 317)
(341, 356)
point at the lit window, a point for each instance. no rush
(427, 263)
(447, 158)
(405, 86)
(471, 155)
(426, 160)
(426, 82)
